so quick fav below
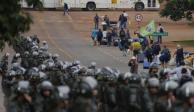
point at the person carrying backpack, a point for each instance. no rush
(125, 46)
(179, 55)
(165, 57)
(156, 48)
(148, 54)
(122, 34)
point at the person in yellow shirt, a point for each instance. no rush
(136, 47)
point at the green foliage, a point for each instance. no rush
(178, 9)
(13, 21)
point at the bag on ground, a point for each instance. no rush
(146, 64)
(172, 62)
(157, 59)
(140, 57)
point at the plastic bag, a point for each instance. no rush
(172, 62)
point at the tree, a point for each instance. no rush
(178, 9)
(13, 20)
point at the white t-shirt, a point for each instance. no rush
(177, 70)
(125, 14)
(159, 27)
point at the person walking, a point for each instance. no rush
(109, 38)
(128, 36)
(160, 29)
(66, 9)
(179, 53)
(125, 46)
(99, 37)
(165, 57)
(121, 21)
(96, 21)
(122, 34)
(148, 54)
(125, 19)
(107, 20)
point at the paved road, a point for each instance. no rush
(60, 32)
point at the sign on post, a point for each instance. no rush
(138, 17)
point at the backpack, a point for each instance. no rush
(161, 30)
(179, 52)
(122, 33)
(125, 18)
(166, 54)
(156, 49)
(148, 52)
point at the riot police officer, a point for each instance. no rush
(15, 58)
(4, 64)
(63, 99)
(85, 100)
(167, 101)
(45, 98)
(186, 94)
(153, 70)
(21, 101)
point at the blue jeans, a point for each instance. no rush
(96, 25)
(125, 24)
(178, 61)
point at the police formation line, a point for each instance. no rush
(37, 81)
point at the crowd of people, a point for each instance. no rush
(145, 49)
(38, 81)
(119, 35)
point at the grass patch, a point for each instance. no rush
(185, 42)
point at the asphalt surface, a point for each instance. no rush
(63, 38)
